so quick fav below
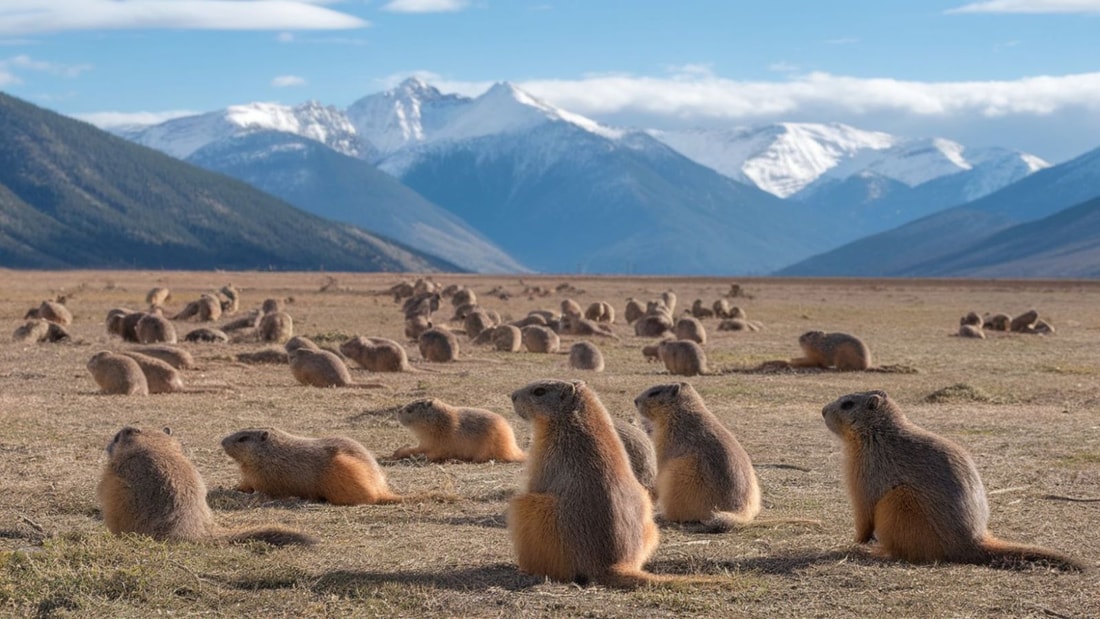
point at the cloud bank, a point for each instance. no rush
(1030, 6)
(425, 6)
(23, 17)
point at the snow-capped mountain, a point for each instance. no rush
(786, 159)
(180, 137)
(408, 115)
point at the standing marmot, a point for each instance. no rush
(151, 488)
(585, 356)
(450, 432)
(117, 374)
(825, 350)
(155, 329)
(683, 357)
(276, 327)
(703, 473)
(634, 310)
(336, 469)
(539, 339)
(583, 515)
(918, 494)
(689, 328)
(600, 311)
(55, 312)
(639, 449)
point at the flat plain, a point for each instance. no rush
(1027, 407)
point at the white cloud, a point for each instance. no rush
(106, 120)
(285, 37)
(24, 61)
(425, 6)
(287, 81)
(1030, 6)
(8, 78)
(21, 17)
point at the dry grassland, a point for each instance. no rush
(1029, 413)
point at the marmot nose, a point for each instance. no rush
(636, 400)
(824, 411)
(514, 396)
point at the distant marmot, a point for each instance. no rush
(916, 493)
(206, 334)
(698, 310)
(1023, 322)
(55, 312)
(276, 327)
(337, 469)
(683, 357)
(703, 473)
(448, 432)
(158, 296)
(582, 515)
(634, 310)
(155, 329)
(377, 354)
(825, 350)
(600, 311)
(997, 322)
(117, 374)
(639, 450)
(689, 328)
(971, 331)
(438, 345)
(569, 307)
(539, 339)
(149, 487)
(653, 325)
(160, 376)
(971, 318)
(321, 368)
(585, 356)
(176, 357)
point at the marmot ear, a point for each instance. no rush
(675, 388)
(263, 435)
(874, 402)
(168, 430)
(570, 391)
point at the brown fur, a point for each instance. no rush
(34, 330)
(128, 328)
(377, 354)
(55, 312)
(703, 473)
(652, 352)
(698, 310)
(972, 331)
(583, 515)
(270, 306)
(585, 356)
(600, 311)
(117, 374)
(300, 341)
(277, 327)
(159, 375)
(507, 338)
(683, 357)
(918, 494)
(639, 449)
(463, 296)
(575, 325)
(669, 299)
(158, 296)
(149, 487)
(206, 334)
(176, 357)
(634, 310)
(722, 309)
(276, 356)
(997, 322)
(336, 469)
(539, 339)
(653, 325)
(420, 304)
(321, 368)
(689, 328)
(569, 307)
(232, 300)
(251, 320)
(438, 345)
(1023, 322)
(827, 350)
(155, 329)
(971, 318)
(528, 320)
(476, 322)
(446, 432)
(737, 324)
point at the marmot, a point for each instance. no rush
(689, 328)
(463, 296)
(270, 306)
(585, 356)
(377, 354)
(997, 322)
(114, 320)
(322, 368)
(634, 310)
(569, 307)
(683, 357)
(476, 322)
(639, 450)
(505, 338)
(155, 329)
(703, 473)
(438, 345)
(669, 299)
(448, 432)
(415, 326)
(583, 515)
(149, 487)
(276, 327)
(157, 296)
(600, 311)
(722, 309)
(34, 330)
(530, 319)
(55, 312)
(251, 320)
(971, 318)
(128, 327)
(737, 324)
(973, 331)
(401, 290)
(176, 357)
(698, 310)
(540, 339)
(651, 352)
(575, 325)
(300, 341)
(159, 375)
(840, 350)
(653, 325)
(117, 374)
(337, 469)
(206, 334)
(276, 356)
(232, 300)
(1019, 324)
(918, 494)
(421, 304)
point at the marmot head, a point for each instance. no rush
(129, 435)
(860, 412)
(810, 337)
(300, 341)
(417, 411)
(244, 442)
(659, 401)
(547, 398)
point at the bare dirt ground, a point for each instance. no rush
(1029, 413)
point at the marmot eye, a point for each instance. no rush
(847, 405)
(539, 391)
(242, 439)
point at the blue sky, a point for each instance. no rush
(1017, 73)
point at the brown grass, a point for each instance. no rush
(1028, 409)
